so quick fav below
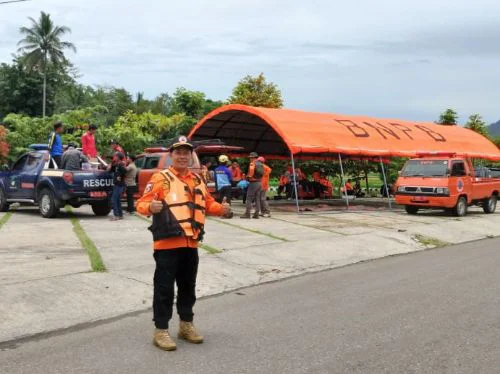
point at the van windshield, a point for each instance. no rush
(425, 168)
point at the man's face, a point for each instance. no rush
(59, 130)
(235, 164)
(92, 131)
(181, 157)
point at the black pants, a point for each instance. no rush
(317, 188)
(57, 159)
(130, 198)
(224, 192)
(174, 266)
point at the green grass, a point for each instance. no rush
(253, 230)
(96, 262)
(209, 249)
(430, 242)
(5, 218)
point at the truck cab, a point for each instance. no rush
(444, 181)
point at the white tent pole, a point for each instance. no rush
(343, 181)
(385, 184)
(295, 184)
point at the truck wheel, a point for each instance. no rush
(490, 205)
(4, 205)
(47, 203)
(101, 209)
(410, 209)
(460, 209)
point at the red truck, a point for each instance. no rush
(444, 181)
(158, 158)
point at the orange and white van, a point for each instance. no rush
(444, 181)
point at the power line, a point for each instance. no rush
(12, 1)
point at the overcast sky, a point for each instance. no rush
(386, 58)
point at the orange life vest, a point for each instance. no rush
(183, 211)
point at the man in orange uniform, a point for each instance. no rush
(254, 176)
(264, 206)
(178, 200)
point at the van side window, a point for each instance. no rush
(458, 169)
(139, 162)
(151, 162)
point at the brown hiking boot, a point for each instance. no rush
(188, 332)
(163, 340)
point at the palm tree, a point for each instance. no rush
(42, 44)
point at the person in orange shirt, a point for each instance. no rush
(237, 173)
(178, 200)
(316, 184)
(283, 183)
(348, 188)
(264, 206)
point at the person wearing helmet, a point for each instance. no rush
(223, 179)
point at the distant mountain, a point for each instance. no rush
(494, 128)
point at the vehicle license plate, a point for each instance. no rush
(98, 194)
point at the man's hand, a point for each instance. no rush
(226, 208)
(156, 206)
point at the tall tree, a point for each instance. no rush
(188, 102)
(21, 89)
(255, 91)
(448, 118)
(476, 123)
(42, 45)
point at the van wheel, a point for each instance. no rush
(47, 204)
(410, 209)
(4, 205)
(101, 210)
(460, 209)
(490, 205)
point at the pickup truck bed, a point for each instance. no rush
(35, 180)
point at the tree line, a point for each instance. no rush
(40, 86)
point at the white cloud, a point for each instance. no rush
(387, 58)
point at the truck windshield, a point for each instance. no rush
(425, 168)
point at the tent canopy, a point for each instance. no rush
(277, 132)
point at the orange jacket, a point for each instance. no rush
(237, 174)
(283, 180)
(158, 189)
(251, 171)
(265, 177)
(325, 182)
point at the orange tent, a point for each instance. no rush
(277, 132)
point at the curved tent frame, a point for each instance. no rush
(280, 132)
(285, 133)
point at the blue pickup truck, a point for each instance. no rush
(35, 179)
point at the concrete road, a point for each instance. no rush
(435, 311)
